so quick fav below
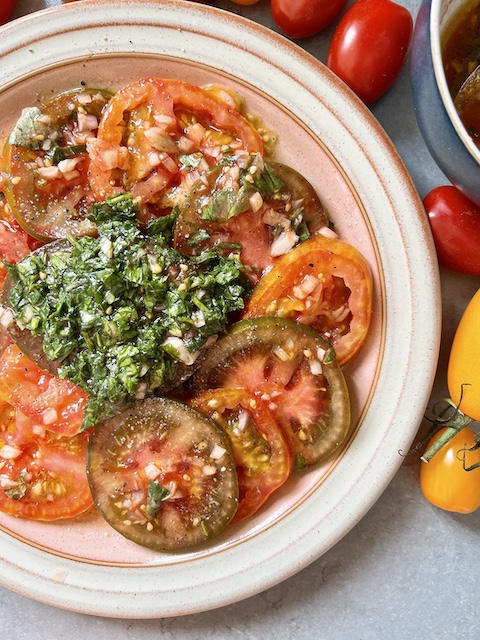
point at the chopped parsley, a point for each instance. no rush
(121, 312)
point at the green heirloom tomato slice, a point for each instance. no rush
(46, 163)
(162, 474)
(261, 452)
(292, 368)
(259, 216)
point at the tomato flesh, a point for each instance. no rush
(292, 369)
(53, 403)
(261, 453)
(444, 480)
(146, 128)
(162, 474)
(42, 474)
(325, 283)
(370, 45)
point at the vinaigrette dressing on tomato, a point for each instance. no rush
(180, 284)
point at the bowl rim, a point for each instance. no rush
(437, 14)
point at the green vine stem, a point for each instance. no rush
(453, 424)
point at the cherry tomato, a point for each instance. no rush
(42, 474)
(369, 46)
(291, 368)
(245, 3)
(325, 283)
(444, 481)
(463, 371)
(163, 475)
(6, 10)
(54, 404)
(304, 18)
(455, 223)
(262, 456)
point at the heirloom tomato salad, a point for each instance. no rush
(176, 313)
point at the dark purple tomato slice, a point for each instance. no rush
(163, 475)
(46, 163)
(292, 368)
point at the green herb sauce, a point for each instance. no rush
(121, 312)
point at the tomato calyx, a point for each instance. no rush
(452, 421)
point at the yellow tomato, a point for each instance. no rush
(444, 480)
(463, 376)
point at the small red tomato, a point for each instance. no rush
(455, 223)
(6, 9)
(304, 18)
(370, 45)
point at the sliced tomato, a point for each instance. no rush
(292, 369)
(148, 125)
(13, 247)
(42, 474)
(163, 475)
(52, 403)
(261, 453)
(325, 283)
(291, 210)
(46, 165)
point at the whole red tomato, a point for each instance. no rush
(455, 224)
(303, 18)
(370, 45)
(6, 9)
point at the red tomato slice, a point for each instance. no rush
(13, 247)
(47, 187)
(42, 474)
(325, 283)
(260, 450)
(53, 403)
(152, 121)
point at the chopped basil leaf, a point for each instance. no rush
(191, 160)
(119, 311)
(56, 154)
(225, 202)
(30, 132)
(155, 496)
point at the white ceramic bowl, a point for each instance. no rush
(327, 134)
(445, 136)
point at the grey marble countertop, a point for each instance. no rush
(406, 571)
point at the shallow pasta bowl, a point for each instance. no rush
(330, 137)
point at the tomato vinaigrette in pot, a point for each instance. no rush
(176, 313)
